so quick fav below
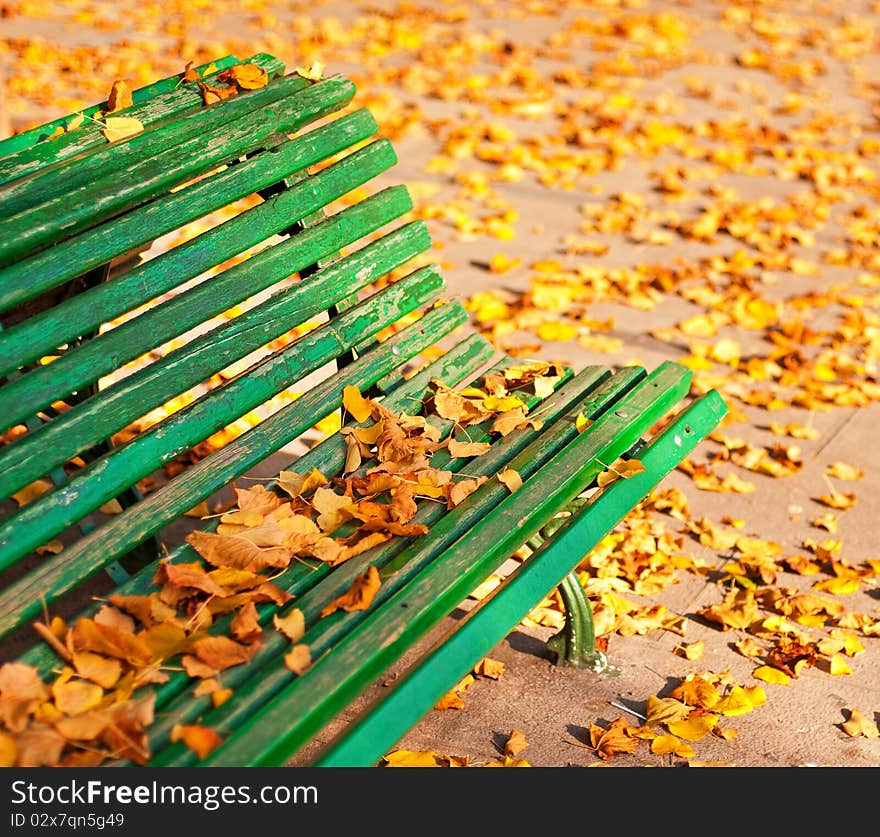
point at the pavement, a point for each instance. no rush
(591, 125)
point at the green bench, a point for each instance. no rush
(95, 340)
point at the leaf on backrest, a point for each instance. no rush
(360, 408)
(212, 94)
(314, 72)
(121, 127)
(246, 76)
(120, 96)
(619, 469)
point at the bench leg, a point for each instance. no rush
(575, 644)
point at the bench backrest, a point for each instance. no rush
(104, 357)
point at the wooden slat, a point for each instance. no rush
(26, 598)
(328, 455)
(26, 139)
(107, 352)
(375, 732)
(73, 257)
(138, 393)
(168, 98)
(101, 163)
(106, 477)
(82, 199)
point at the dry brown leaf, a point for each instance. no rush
(857, 724)
(238, 552)
(245, 625)
(246, 76)
(201, 740)
(120, 96)
(221, 652)
(298, 659)
(293, 626)
(488, 667)
(510, 478)
(359, 596)
(516, 743)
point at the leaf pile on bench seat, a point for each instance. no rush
(97, 707)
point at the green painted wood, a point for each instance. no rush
(104, 478)
(170, 98)
(84, 198)
(366, 740)
(283, 725)
(24, 599)
(26, 139)
(109, 351)
(101, 162)
(133, 396)
(327, 456)
(174, 701)
(71, 258)
(399, 561)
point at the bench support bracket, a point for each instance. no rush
(575, 644)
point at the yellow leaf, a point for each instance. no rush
(293, 626)
(298, 659)
(120, 96)
(857, 724)
(838, 665)
(739, 701)
(693, 650)
(75, 122)
(201, 740)
(297, 485)
(619, 469)
(769, 674)
(75, 696)
(582, 422)
(557, 331)
(693, 729)
(499, 263)
(315, 71)
(248, 76)
(31, 492)
(8, 750)
(416, 758)
(488, 667)
(359, 407)
(121, 127)
(669, 744)
(842, 471)
(665, 710)
(511, 479)
(507, 761)
(838, 499)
